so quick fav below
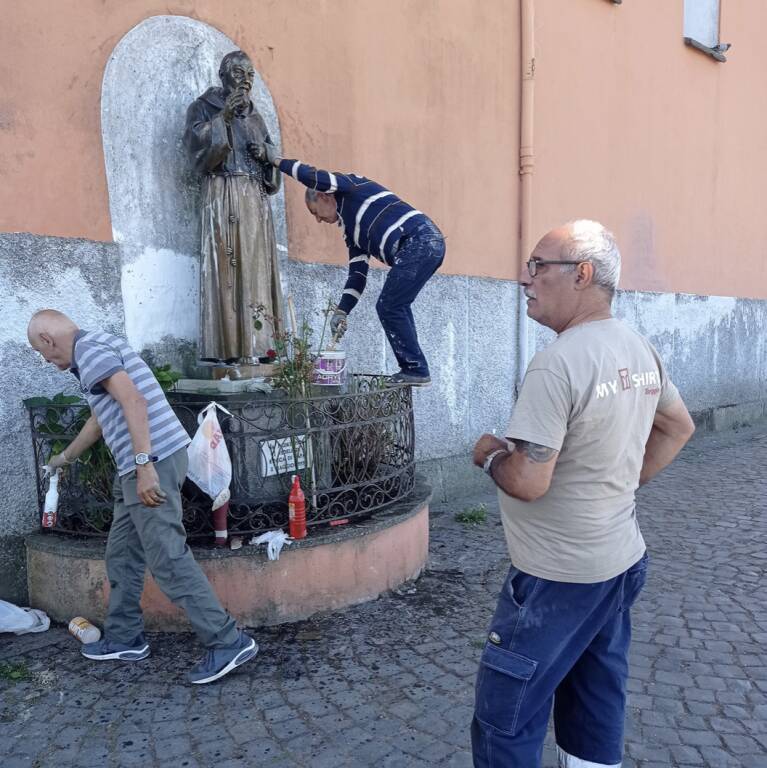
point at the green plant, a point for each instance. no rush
(64, 417)
(16, 673)
(166, 376)
(472, 515)
(295, 360)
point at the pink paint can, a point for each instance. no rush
(330, 369)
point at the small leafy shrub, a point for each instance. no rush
(472, 515)
(15, 673)
(166, 376)
(63, 418)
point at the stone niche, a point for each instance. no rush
(153, 74)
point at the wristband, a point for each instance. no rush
(487, 466)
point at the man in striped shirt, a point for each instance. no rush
(130, 410)
(377, 223)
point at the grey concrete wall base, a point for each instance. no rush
(13, 570)
(455, 477)
(724, 417)
(80, 278)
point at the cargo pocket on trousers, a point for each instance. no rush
(634, 581)
(501, 686)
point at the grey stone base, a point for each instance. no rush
(335, 568)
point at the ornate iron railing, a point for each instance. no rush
(354, 453)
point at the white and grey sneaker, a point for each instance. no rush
(106, 650)
(221, 661)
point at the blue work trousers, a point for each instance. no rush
(417, 257)
(563, 643)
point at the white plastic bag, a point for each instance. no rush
(274, 541)
(209, 464)
(22, 620)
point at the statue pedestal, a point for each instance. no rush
(227, 386)
(235, 372)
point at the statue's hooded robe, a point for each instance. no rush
(238, 271)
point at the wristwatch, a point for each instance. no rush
(488, 465)
(143, 458)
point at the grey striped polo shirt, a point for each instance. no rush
(97, 356)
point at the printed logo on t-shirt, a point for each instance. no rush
(625, 378)
(630, 381)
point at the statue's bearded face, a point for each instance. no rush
(238, 74)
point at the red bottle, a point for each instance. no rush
(296, 511)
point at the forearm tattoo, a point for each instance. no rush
(539, 454)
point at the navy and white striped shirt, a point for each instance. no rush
(96, 357)
(372, 217)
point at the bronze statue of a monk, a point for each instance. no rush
(239, 271)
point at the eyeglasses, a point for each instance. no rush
(533, 264)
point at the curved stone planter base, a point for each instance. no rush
(329, 570)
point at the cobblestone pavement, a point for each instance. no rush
(390, 683)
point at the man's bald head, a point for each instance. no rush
(52, 334)
(50, 321)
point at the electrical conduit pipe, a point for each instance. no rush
(526, 165)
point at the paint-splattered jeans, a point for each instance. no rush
(417, 257)
(566, 643)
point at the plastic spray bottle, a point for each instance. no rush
(51, 504)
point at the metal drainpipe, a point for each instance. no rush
(526, 164)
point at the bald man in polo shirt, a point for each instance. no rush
(130, 411)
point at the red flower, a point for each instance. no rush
(271, 353)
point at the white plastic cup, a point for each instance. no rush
(83, 630)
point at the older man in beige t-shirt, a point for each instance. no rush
(596, 417)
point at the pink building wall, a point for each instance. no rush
(656, 139)
(632, 127)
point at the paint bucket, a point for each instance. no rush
(330, 369)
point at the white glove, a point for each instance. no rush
(338, 324)
(58, 461)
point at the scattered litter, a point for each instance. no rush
(22, 620)
(408, 588)
(83, 630)
(235, 542)
(274, 540)
(259, 385)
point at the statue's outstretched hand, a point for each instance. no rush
(257, 151)
(264, 153)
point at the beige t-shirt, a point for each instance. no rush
(591, 395)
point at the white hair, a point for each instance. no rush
(591, 241)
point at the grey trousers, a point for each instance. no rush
(155, 537)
